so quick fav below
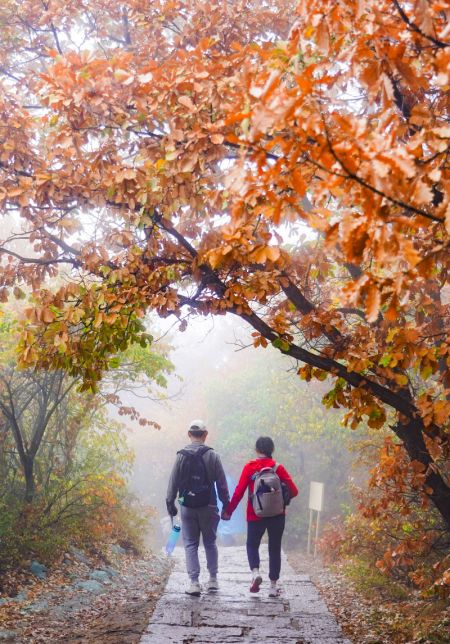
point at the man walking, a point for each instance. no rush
(197, 468)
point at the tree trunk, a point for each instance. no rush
(30, 489)
(411, 435)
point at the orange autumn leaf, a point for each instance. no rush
(373, 300)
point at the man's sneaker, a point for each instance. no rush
(256, 583)
(194, 589)
(274, 591)
(212, 585)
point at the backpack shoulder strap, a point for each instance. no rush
(275, 467)
(261, 471)
(198, 452)
(202, 450)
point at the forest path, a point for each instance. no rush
(232, 615)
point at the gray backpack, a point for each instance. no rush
(267, 498)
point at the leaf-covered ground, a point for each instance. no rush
(370, 614)
(56, 609)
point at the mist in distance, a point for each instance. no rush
(241, 393)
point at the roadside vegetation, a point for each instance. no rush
(64, 458)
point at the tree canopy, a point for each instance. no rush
(286, 162)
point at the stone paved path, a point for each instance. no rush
(234, 616)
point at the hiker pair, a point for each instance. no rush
(196, 475)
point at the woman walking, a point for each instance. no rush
(257, 524)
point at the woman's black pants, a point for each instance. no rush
(255, 532)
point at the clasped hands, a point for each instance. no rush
(172, 510)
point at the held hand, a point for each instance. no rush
(171, 509)
(225, 516)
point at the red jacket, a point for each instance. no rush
(246, 481)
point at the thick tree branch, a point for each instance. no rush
(302, 304)
(38, 261)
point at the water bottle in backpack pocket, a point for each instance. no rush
(267, 498)
(195, 486)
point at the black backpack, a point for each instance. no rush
(195, 486)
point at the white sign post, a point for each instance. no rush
(315, 505)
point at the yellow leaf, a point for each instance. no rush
(259, 255)
(214, 258)
(426, 372)
(392, 333)
(273, 253)
(98, 319)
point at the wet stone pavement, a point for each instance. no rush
(233, 615)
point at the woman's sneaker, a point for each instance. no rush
(274, 591)
(256, 583)
(194, 590)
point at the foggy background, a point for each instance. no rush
(241, 393)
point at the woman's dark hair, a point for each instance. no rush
(265, 445)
